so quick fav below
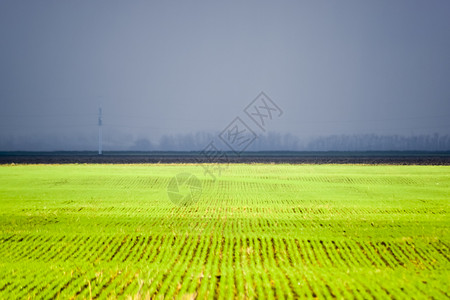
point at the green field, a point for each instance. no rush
(258, 231)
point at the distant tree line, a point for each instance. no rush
(198, 141)
(374, 142)
(288, 142)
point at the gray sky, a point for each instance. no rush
(178, 67)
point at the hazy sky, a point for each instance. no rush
(175, 67)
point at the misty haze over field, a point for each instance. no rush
(348, 75)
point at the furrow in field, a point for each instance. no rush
(173, 281)
(141, 244)
(321, 254)
(215, 269)
(354, 251)
(345, 255)
(208, 269)
(107, 283)
(370, 255)
(173, 248)
(56, 282)
(254, 269)
(129, 286)
(91, 251)
(239, 267)
(126, 249)
(154, 250)
(57, 247)
(102, 251)
(390, 254)
(222, 289)
(119, 243)
(278, 258)
(334, 252)
(23, 246)
(73, 248)
(377, 253)
(66, 283)
(81, 254)
(442, 249)
(266, 267)
(39, 249)
(305, 259)
(6, 247)
(246, 263)
(192, 274)
(30, 282)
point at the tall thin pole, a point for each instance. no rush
(100, 131)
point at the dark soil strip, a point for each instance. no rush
(395, 158)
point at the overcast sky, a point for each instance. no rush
(177, 67)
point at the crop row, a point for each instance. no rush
(177, 265)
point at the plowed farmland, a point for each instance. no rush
(257, 231)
